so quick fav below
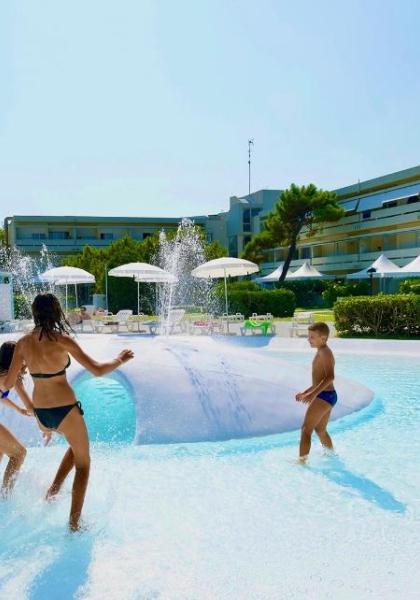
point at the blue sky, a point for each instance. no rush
(144, 108)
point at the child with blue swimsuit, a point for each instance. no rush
(321, 395)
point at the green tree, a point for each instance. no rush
(1, 236)
(299, 209)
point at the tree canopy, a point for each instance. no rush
(300, 209)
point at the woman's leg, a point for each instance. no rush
(10, 446)
(64, 469)
(73, 427)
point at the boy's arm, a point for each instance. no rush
(12, 404)
(328, 365)
(23, 395)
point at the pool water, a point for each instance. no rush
(108, 407)
(230, 520)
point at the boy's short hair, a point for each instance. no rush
(321, 328)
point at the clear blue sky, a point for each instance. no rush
(144, 107)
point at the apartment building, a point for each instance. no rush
(68, 234)
(381, 215)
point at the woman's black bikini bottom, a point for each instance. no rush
(52, 417)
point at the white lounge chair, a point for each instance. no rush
(300, 323)
(175, 320)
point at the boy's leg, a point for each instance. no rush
(16, 453)
(317, 410)
(322, 433)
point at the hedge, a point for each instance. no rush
(396, 315)
(410, 286)
(336, 289)
(280, 303)
(307, 293)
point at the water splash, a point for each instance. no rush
(25, 272)
(179, 255)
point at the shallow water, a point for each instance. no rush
(230, 520)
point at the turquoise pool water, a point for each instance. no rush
(232, 520)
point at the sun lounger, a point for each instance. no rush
(262, 323)
(173, 322)
(300, 323)
(207, 325)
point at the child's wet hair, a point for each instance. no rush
(7, 349)
(321, 328)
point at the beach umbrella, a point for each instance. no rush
(224, 268)
(142, 272)
(307, 271)
(66, 276)
(411, 270)
(382, 267)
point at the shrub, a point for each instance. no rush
(397, 315)
(280, 303)
(307, 293)
(234, 286)
(410, 286)
(336, 289)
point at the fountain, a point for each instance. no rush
(25, 271)
(179, 256)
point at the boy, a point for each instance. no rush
(321, 396)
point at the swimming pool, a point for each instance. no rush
(234, 519)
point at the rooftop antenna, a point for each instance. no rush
(250, 143)
(358, 198)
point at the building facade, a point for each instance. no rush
(68, 235)
(381, 215)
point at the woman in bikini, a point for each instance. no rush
(9, 445)
(46, 351)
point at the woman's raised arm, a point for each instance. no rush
(89, 363)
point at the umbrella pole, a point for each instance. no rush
(75, 293)
(138, 297)
(66, 301)
(226, 305)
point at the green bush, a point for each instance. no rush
(280, 303)
(410, 286)
(307, 293)
(341, 289)
(388, 315)
(234, 286)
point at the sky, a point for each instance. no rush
(145, 107)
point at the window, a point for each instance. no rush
(233, 246)
(38, 236)
(59, 235)
(146, 234)
(390, 204)
(106, 236)
(246, 219)
(413, 199)
(366, 214)
(247, 239)
(305, 252)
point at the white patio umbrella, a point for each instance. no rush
(271, 277)
(307, 271)
(383, 268)
(67, 276)
(412, 269)
(142, 272)
(225, 267)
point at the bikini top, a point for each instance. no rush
(48, 375)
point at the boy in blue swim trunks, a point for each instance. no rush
(321, 396)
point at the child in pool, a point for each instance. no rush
(321, 395)
(9, 445)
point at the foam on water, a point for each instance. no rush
(234, 519)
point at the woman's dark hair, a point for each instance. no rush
(49, 317)
(6, 354)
